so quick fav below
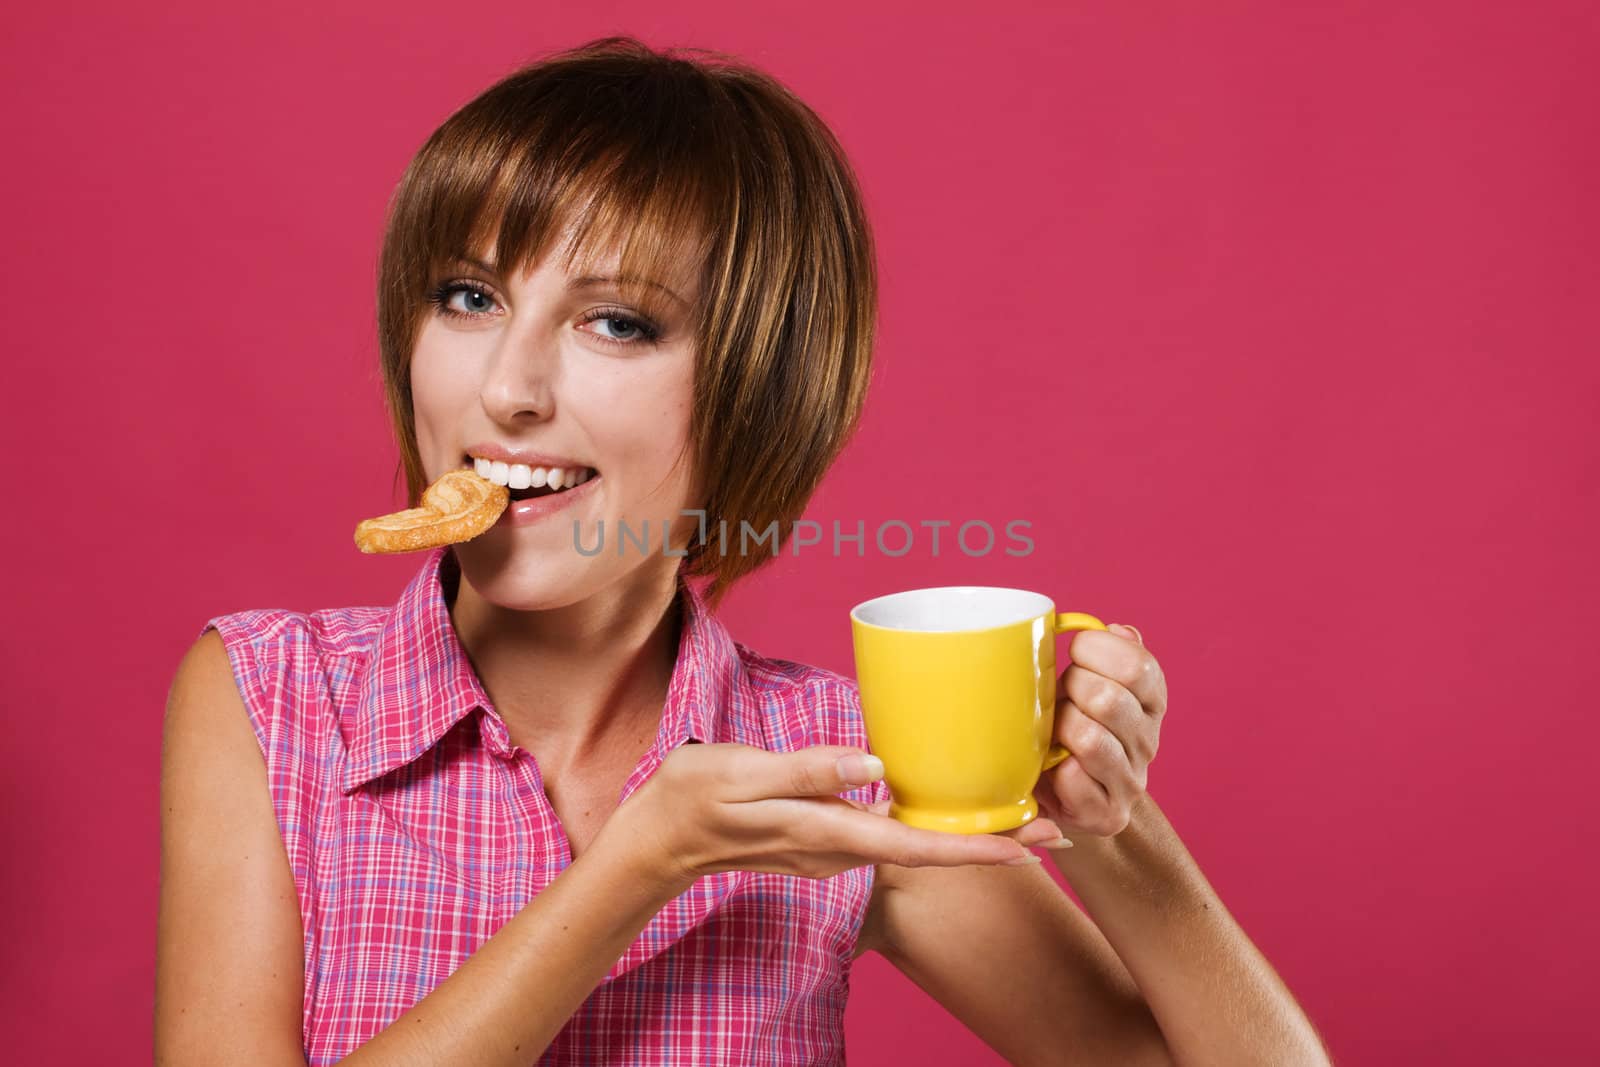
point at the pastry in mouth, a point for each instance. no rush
(458, 507)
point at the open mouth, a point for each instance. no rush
(525, 483)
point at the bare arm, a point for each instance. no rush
(1007, 953)
(1167, 977)
(1215, 995)
(229, 957)
(509, 999)
(230, 954)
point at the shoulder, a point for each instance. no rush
(204, 682)
(265, 641)
(325, 634)
(250, 639)
(287, 670)
(206, 736)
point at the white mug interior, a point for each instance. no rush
(952, 608)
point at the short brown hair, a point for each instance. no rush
(669, 154)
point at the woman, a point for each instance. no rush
(545, 806)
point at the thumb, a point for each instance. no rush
(854, 767)
(1122, 629)
(813, 771)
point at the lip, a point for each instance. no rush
(492, 451)
(527, 512)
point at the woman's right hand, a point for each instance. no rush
(723, 807)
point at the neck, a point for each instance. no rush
(580, 684)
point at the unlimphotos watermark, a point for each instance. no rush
(893, 537)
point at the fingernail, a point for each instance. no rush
(860, 769)
(1136, 634)
(1059, 842)
(1020, 861)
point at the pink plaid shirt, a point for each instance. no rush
(415, 830)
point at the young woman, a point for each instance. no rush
(545, 808)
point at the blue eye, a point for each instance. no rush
(442, 296)
(623, 328)
(633, 330)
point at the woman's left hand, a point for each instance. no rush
(1109, 707)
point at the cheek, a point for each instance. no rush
(437, 395)
(425, 405)
(644, 425)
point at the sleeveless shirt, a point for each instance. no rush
(415, 829)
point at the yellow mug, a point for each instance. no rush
(958, 696)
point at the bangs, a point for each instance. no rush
(633, 190)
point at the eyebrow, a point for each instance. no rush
(586, 281)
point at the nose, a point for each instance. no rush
(519, 378)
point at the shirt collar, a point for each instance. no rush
(419, 682)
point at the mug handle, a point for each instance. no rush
(1067, 621)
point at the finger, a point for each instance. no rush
(1085, 806)
(817, 770)
(1034, 833)
(1090, 788)
(1116, 709)
(883, 840)
(1101, 754)
(1133, 631)
(1125, 662)
(1027, 835)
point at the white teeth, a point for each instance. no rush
(522, 476)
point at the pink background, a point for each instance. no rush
(1277, 324)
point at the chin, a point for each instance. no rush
(512, 576)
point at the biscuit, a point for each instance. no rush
(458, 507)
